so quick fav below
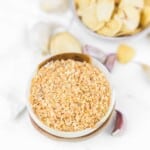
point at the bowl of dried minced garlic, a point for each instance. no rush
(70, 95)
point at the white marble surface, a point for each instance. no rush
(17, 60)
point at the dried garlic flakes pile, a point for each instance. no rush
(114, 17)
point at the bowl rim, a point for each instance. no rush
(75, 134)
(89, 31)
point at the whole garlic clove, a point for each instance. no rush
(54, 5)
(119, 122)
(107, 59)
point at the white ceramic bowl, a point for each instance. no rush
(99, 36)
(83, 132)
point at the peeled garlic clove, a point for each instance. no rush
(110, 61)
(125, 53)
(54, 5)
(95, 52)
(64, 42)
(119, 122)
(39, 35)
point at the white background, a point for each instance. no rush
(17, 61)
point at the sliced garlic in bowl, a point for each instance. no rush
(113, 20)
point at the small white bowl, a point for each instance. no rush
(86, 131)
(140, 34)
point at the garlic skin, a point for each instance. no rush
(39, 35)
(119, 123)
(146, 70)
(54, 5)
(95, 52)
(110, 61)
(107, 59)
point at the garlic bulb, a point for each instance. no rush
(54, 5)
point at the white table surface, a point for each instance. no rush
(17, 60)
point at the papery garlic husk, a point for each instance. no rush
(56, 28)
(95, 52)
(146, 69)
(16, 104)
(39, 36)
(107, 59)
(110, 61)
(54, 5)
